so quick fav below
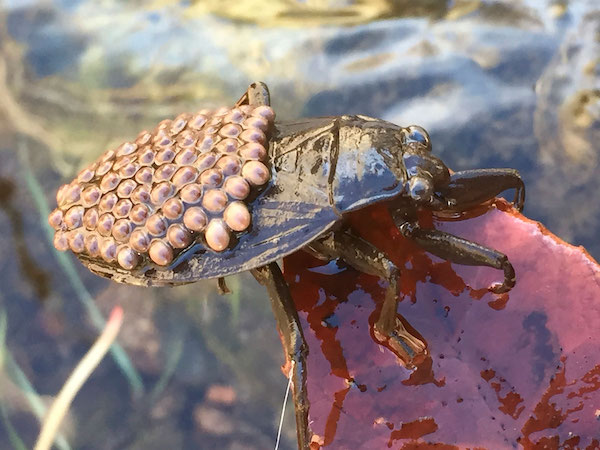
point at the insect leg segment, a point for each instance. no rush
(456, 249)
(222, 286)
(257, 94)
(472, 187)
(367, 258)
(290, 329)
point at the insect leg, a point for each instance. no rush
(290, 330)
(222, 286)
(473, 187)
(257, 94)
(456, 249)
(367, 258)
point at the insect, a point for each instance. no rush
(216, 193)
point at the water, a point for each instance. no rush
(497, 84)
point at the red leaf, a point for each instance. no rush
(523, 367)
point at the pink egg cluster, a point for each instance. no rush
(185, 182)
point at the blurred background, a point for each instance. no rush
(496, 83)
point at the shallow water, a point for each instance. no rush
(497, 84)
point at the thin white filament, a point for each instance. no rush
(287, 393)
(80, 374)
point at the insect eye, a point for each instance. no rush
(418, 135)
(420, 188)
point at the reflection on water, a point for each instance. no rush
(496, 83)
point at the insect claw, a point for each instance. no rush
(222, 286)
(519, 200)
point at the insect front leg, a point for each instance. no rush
(366, 258)
(290, 330)
(455, 249)
(470, 188)
(257, 94)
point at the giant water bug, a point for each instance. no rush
(216, 193)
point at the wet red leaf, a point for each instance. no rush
(522, 367)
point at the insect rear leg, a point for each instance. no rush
(455, 249)
(472, 187)
(257, 94)
(366, 258)
(290, 329)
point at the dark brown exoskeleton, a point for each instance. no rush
(220, 192)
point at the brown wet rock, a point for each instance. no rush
(221, 394)
(212, 420)
(141, 337)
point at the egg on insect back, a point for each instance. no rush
(184, 183)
